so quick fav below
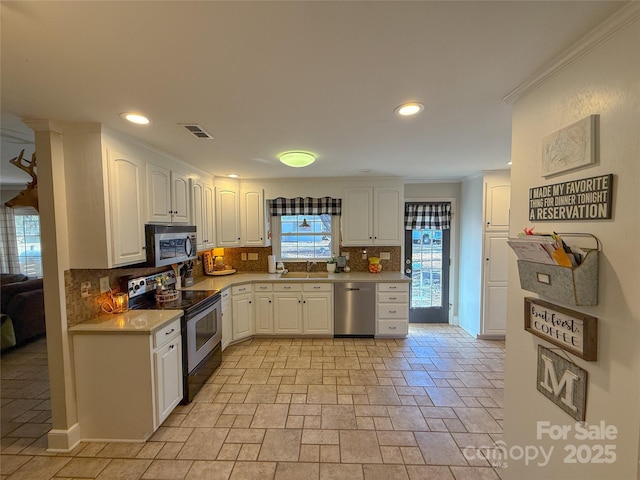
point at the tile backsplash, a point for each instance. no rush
(233, 257)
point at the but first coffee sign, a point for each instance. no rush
(572, 331)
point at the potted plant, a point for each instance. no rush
(331, 265)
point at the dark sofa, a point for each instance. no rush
(21, 304)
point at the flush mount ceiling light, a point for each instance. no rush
(232, 175)
(136, 118)
(408, 109)
(297, 159)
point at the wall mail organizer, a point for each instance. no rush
(572, 331)
(575, 285)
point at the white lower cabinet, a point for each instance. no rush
(392, 309)
(243, 314)
(227, 319)
(263, 302)
(287, 308)
(127, 383)
(317, 309)
(303, 309)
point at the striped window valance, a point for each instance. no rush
(305, 206)
(427, 215)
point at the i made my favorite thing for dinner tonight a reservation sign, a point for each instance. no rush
(583, 199)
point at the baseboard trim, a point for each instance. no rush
(63, 440)
(490, 337)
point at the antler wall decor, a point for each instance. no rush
(29, 196)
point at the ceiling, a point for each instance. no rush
(266, 77)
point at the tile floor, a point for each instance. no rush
(310, 409)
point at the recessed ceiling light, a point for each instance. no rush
(232, 175)
(509, 163)
(297, 159)
(136, 118)
(408, 109)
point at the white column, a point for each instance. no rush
(65, 432)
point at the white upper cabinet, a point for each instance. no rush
(202, 204)
(167, 196)
(387, 216)
(254, 221)
(227, 214)
(127, 208)
(372, 216)
(497, 198)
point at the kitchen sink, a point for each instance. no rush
(304, 275)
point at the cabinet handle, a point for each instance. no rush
(170, 331)
(393, 298)
(392, 311)
(392, 328)
(172, 346)
(316, 286)
(286, 287)
(392, 287)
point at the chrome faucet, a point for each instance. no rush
(309, 265)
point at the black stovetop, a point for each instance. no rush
(188, 300)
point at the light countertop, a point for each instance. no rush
(133, 321)
(221, 282)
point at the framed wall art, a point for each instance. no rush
(571, 147)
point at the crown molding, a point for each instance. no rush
(591, 40)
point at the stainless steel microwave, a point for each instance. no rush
(169, 244)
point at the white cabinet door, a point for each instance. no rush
(227, 318)
(264, 313)
(287, 313)
(179, 198)
(387, 213)
(495, 310)
(497, 206)
(158, 194)
(168, 367)
(198, 213)
(126, 191)
(253, 219)
(496, 262)
(209, 216)
(317, 313)
(357, 216)
(242, 306)
(227, 217)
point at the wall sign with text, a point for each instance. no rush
(582, 199)
(572, 331)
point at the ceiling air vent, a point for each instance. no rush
(196, 130)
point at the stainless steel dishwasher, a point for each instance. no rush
(354, 309)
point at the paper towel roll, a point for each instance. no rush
(271, 262)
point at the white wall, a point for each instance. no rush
(605, 81)
(470, 289)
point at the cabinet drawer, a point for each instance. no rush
(166, 333)
(240, 289)
(393, 287)
(393, 327)
(317, 287)
(388, 297)
(390, 310)
(287, 287)
(263, 287)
